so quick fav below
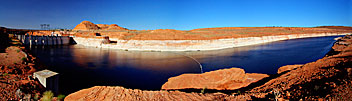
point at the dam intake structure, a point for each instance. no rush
(43, 40)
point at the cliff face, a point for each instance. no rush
(196, 45)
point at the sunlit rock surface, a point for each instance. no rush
(104, 93)
(287, 68)
(86, 25)
(224, 79)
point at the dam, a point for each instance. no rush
(43, 40)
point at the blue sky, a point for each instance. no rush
(175, 14)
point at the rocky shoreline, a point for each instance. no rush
(328, 78)
(16, 68)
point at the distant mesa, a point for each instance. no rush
(87, 26)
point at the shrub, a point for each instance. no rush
(203, 90)
(47, 96)
(36, 97)
(60, 97)
(23, 59)
(5, 75)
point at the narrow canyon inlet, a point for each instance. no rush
(83, 67)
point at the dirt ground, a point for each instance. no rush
(16, 69)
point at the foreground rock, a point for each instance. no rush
(287, 68)
(103, 93)
(226, 79)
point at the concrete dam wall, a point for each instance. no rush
(43, 40)
(192, 45)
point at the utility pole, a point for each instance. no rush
(45, 26)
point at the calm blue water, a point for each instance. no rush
(81, 67)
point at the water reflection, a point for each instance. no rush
(94, 58)
(82, 67)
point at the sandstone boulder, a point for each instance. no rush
(287, 67)
(86, 25)
(225, 79)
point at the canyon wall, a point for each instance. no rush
(91, 42)
(192, 45)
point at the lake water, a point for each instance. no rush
(83, 67)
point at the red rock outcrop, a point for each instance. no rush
(115, 27)
(287, 68)
(103, 26)
(225, 79)
(104, 93)
(86, 25)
